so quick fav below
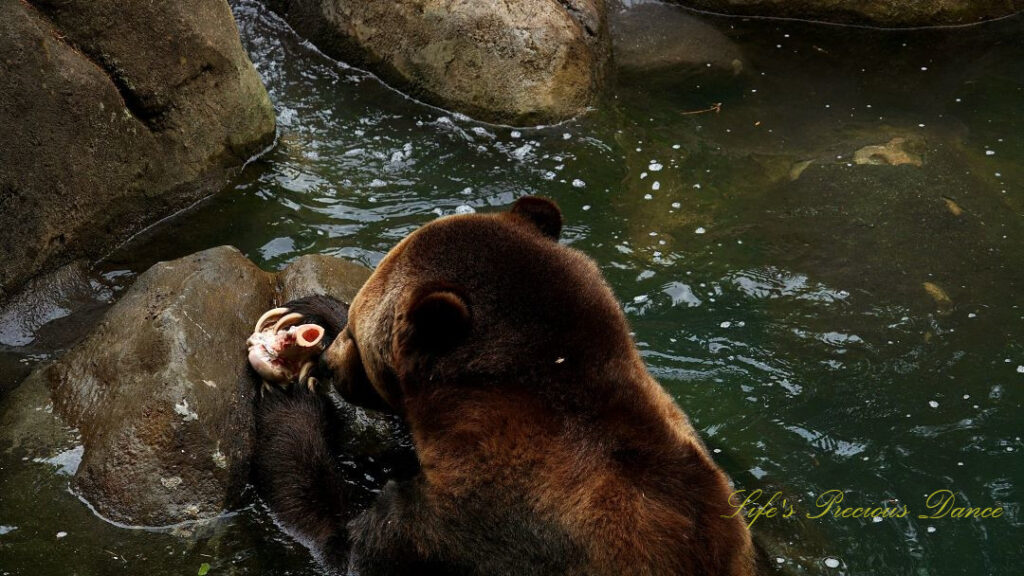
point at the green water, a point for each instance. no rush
(789, 317)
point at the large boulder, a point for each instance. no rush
(115, 114)
(877, 12)
(161, 391)
(519, 62)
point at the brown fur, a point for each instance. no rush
(531, 412)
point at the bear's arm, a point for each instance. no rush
(399, 534)
(413, 529)
(296, 472)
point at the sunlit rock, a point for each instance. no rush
(522, 62)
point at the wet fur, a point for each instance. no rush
(544, 446)
(300, 466)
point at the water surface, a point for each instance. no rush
(786, 310)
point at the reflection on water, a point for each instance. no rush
(776, 287)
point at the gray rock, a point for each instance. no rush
(519, 62)
(877, 12)
(318, 274)
(114, 115)
(161, 391)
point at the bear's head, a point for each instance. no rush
(474, 300)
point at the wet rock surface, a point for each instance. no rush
(115, 115)
(524, 62)
(46, 300)
(877, 12)
(161, 392)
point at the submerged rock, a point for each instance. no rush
(46, 299)
(798, 168)
(943, 302)
(519, 62)
(895, 152)
(114, 115)
(878, 12)
(659, 36)
(161, 391)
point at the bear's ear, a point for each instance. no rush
(542, 213)
(436, 321)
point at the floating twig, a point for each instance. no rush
(716, 108)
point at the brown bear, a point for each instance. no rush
(543, 444)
